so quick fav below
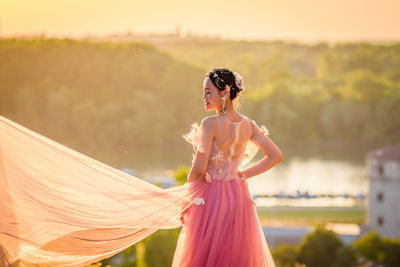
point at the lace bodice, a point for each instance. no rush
(231, 149)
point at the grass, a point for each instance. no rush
(311, 215)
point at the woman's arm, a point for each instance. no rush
(268, 147)
(208, 129)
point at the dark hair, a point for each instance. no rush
(221, 77)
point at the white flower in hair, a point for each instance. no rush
(238, 80)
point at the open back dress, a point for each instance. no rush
(222, 227)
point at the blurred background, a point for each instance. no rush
(122, 82)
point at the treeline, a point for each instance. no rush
(340, 95)
(101, 98)
(106, 98)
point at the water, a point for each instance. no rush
(317, 176)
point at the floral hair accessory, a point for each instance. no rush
(238, 81)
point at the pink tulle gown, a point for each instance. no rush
(59, 207)
(222, 228)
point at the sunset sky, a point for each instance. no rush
(301, 20)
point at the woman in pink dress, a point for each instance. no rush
(59, 207)
(222, 228)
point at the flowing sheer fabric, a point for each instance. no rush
(222, 227)
(59, 207)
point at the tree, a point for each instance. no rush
(369, 246)
(285, 255)
(380, 249)
(347, 256)
(319, 248)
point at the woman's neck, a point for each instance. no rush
(229, 112)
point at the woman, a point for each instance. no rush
(222, 227)
(59, 207)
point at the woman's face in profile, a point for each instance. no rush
(211, 95)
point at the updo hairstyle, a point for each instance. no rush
(223, 77)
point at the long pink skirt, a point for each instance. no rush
(224, 230)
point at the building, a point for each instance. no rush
(384, 190)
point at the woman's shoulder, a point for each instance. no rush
(210, 120)
(258, 128)
(209, 123)
(251, 121)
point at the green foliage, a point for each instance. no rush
(380, 249)
(126, 258)
(285, 255)
(319, 248)
(105, 98)
(318, 94)
(323, 248)
(391, 252)
(104, 262)
(346, 256)
(370, 245)
(160, 248)
(181, 173)
(129, 257)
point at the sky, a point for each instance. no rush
(295, 20)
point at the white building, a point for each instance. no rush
(384, 190)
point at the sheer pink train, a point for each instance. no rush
(59, 207)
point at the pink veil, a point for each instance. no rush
(59, 207)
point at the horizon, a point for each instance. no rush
(133, 36)
(307, 21)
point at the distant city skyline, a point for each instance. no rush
(295, 20)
